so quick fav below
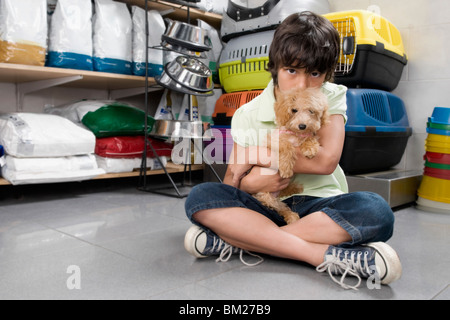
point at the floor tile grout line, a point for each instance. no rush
(441, 291)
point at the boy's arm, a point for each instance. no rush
(331, 138)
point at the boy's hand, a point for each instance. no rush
(261, 179)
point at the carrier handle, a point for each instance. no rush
(239, 13)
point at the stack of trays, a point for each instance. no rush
(434, 191)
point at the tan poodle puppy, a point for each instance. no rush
(299, 115)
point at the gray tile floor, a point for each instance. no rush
(112, 241)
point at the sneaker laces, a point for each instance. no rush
(355, 265)
(229, 250)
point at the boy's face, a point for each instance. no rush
(290, 78)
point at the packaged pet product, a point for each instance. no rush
(117, 120)
(50, 169)
(112, 39)
(155, 31)
(23, 31)
(130, 147)
(43, 135)
(170, 105)
(113, 165)
(2, 156)
(70, 36)
(75, 111)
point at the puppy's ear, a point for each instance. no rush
(322, 105)
(282, 113)
(325, 117)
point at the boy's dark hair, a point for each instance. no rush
(304, 40)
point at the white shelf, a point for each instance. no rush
(171, 168)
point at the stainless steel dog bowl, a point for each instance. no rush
(166, 81)
(191, 73)
(186, 35)
(183, 51)
(181, 129)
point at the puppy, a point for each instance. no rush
(299, 115)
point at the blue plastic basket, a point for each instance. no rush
(2, 152)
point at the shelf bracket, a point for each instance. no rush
(124, 93)
(27, 87)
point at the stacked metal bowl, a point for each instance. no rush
(185, 73)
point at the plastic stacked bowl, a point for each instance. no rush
(434, 191)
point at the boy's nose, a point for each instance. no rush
(302, 81)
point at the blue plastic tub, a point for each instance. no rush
(376, 132)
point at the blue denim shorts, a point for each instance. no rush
(366, 216)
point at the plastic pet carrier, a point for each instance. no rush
(228, 103)
(243, 62)
(243, 17)
(376, 132)
(372, 53)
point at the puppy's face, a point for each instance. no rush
(303, 110)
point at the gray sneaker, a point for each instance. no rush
(201, 245)
(376, 259)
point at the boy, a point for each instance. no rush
(339, 232)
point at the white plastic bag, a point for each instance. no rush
(156, 30)
(23, 31)
(43, 135)
(50, 170)
(70, 36)
(112, 37)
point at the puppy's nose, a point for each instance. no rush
(302, 126)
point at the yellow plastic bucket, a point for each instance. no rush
(434, 189)
(437, 143)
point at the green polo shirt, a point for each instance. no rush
(253, 121)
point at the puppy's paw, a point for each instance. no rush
(310, 150)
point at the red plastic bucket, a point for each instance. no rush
(437, 173)
(435, 157)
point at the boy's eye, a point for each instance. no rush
(316, 74)
(291, 71)
(294, 110)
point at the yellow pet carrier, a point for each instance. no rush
(372, 53)
(243, 62)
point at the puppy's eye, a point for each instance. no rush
(294, 110)
(311, 111)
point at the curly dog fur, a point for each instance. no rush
(299, 115)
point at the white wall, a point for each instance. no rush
(425, 82)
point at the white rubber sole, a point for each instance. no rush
(190, 240)
(391, 260)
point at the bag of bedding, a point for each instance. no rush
(50, 169)
(156, 30)
(70, 36)
(112, 38)
(117, 120)
(23, 31)
(34, 135)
